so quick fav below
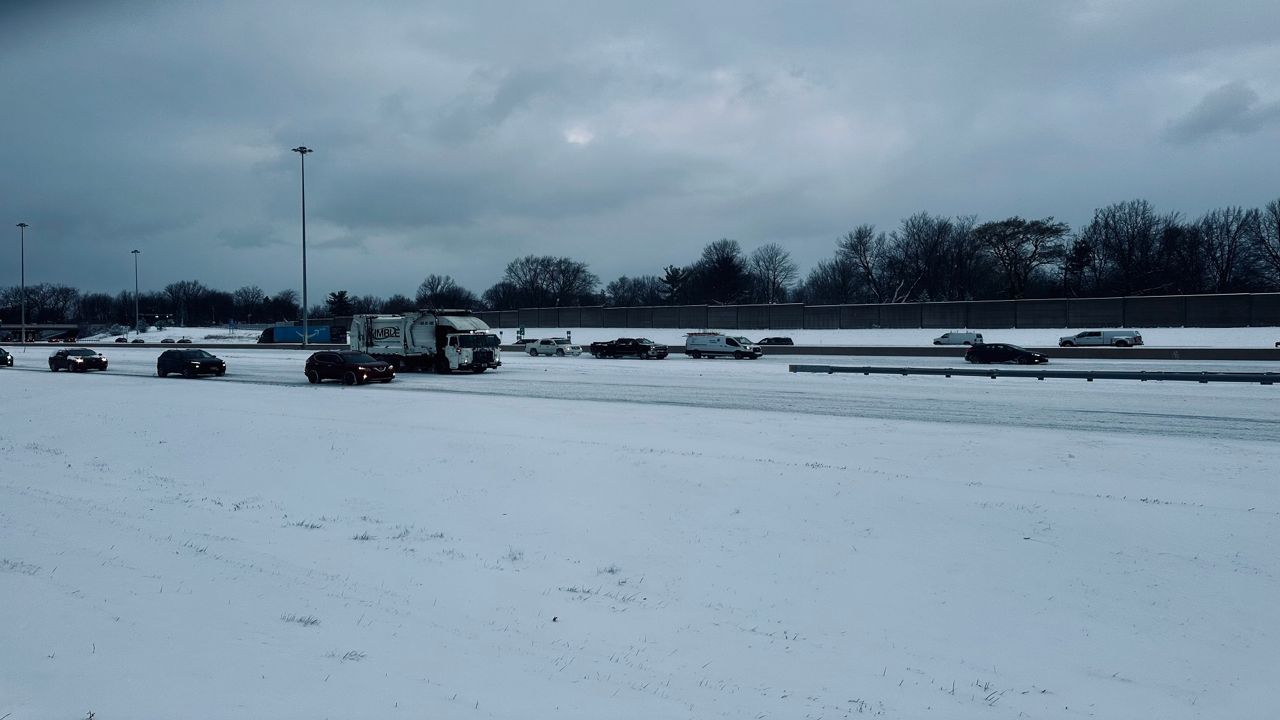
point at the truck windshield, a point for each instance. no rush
(477, 341)
(742, 340)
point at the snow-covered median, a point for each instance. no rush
(442, 547)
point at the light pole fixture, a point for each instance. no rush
(22, 250)
(137, 326)
(302, 151)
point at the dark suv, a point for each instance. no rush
(189, 363)
(6, 360)
(77, 360)
(352, 368)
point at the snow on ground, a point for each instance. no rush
(585, 538)
(196, 334)
(1166, 337)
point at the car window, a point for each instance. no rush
(731, 342)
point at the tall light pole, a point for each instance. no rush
(22, 250)
(302, 151)
(137, 326)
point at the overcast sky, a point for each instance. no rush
(451, 138)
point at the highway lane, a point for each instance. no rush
(1247, 412)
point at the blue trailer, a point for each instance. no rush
(293, 334)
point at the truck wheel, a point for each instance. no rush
(533, 352)
(478, 370)
(695, 355)
(559, 352)
(53, 368)
(737, 355)
(162, 373)
(350, 378)
(313, 377)
(1122, 343)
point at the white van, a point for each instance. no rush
(713, 344)
(958, 338)
(1118, 338)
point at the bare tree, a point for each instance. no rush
(875, 260)
(1021, 247)
(249, 300)
(1228, 237)
(642, 290)
(1267, 241)
(1125, 237)
(440, 291)
(833, 282)
(772, 272)
(183, 295)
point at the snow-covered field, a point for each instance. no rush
(196, 334)
(582, 538)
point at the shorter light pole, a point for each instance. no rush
(137, 325)
(22, 250)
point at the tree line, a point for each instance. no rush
(1127, 248)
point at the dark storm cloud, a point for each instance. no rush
(1234, 108)
(452, 138)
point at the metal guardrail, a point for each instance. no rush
(1267, 378)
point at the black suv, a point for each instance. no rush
(1003, 353)
(352, 368)
(77, 360)
(6, 360)
(776, 341)
(189, 363)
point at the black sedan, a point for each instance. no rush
(1003, 353)
(77, 360)
(776, 341)
(352, 368)
(189, 363)
(6, 360)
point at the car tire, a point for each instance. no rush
(478, 370)
(1122, 343)
(559, 352)
(1023, 360)
(53, 368)
(162, 373)
(1066, 343)
(695, 355)
(313, 377)
(737, 355)
(349, 378)
(937, 342)
(533, 352)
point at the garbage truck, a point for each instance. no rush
(438, 340)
